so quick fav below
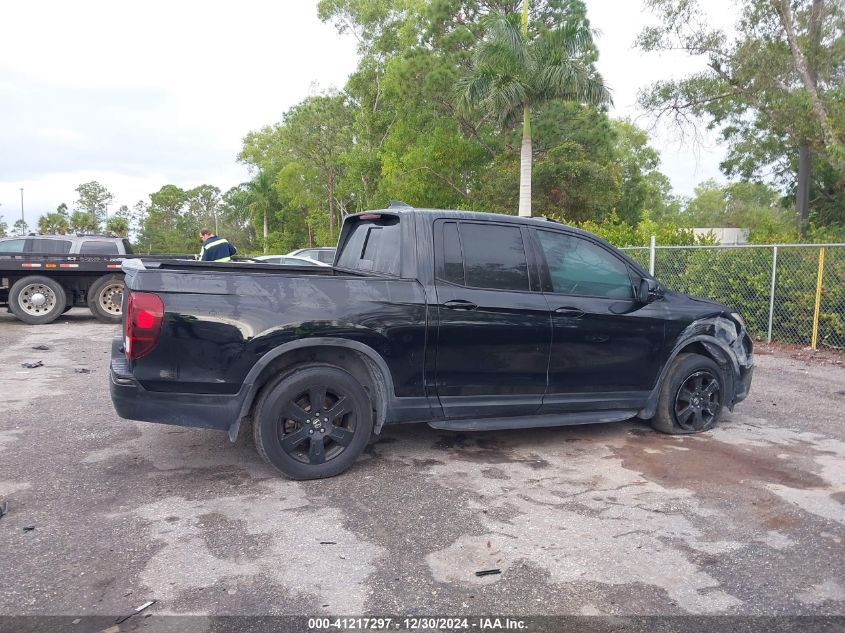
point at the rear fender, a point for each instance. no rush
(382, 382)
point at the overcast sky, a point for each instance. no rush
(138, 95)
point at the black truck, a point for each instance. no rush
(466, 321)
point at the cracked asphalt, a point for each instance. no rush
(614, 519)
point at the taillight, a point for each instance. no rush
(142, 324)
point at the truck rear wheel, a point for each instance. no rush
(313, 422)
(105, 298)
(37, 300)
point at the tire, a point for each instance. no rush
(285, 432)
(37, 300)
(691, 397)
(105, 299)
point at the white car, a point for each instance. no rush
(289, 260)
(323, 254)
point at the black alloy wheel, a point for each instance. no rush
(698, 401)
(317, 425)
(692, 395)
(313, 421)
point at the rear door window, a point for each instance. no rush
(98, 247)
(494, 256)
(47, 247)
(452, 268)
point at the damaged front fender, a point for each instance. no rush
(725, 341)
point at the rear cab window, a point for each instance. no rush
(373, 245)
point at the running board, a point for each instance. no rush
(534, 421)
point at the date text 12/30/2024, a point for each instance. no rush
(485, 623)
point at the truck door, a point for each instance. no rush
(494, 332)
(606, 346)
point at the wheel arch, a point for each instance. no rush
(705, 345)
(363, 362)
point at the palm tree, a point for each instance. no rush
(260, 196)
(53, 224)
(513, 71)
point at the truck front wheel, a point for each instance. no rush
(312, 422)
(691, 397)
(105, 298)
(37, 300)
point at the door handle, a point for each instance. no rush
(572, 313)
(460, 304)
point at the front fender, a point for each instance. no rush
(725, 342)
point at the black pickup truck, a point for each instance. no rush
(466, 321)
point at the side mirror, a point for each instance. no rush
(648, 290)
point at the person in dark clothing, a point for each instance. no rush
(215, 249)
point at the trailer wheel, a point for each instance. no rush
(37, 300)
(105, 298)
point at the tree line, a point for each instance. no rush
(497, 105)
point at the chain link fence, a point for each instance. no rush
(790, 293)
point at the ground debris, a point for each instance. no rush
(4, 509)
(32, 365)
(28, 528)
(135, 611)
(488, 572)
(328, 543)
(41, 348)
(82, 370)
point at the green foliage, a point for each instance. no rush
(83, 222)
(753, 92)
(20, 227)
(397, 132)
(53, 224)
(4, 227)
(118, 225)
(518, 66)
(741, 278)
(93, 199)
(621, 234)
(751, 205)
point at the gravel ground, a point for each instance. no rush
(611, 519)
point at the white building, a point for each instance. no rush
(725, 235)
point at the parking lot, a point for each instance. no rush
(616, 519)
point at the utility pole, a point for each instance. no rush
(23, 222)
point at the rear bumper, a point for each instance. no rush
(133, 402)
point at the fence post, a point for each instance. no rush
(772, 292)
(818, 298)
(651, 255)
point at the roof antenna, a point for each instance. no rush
(398, 204)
